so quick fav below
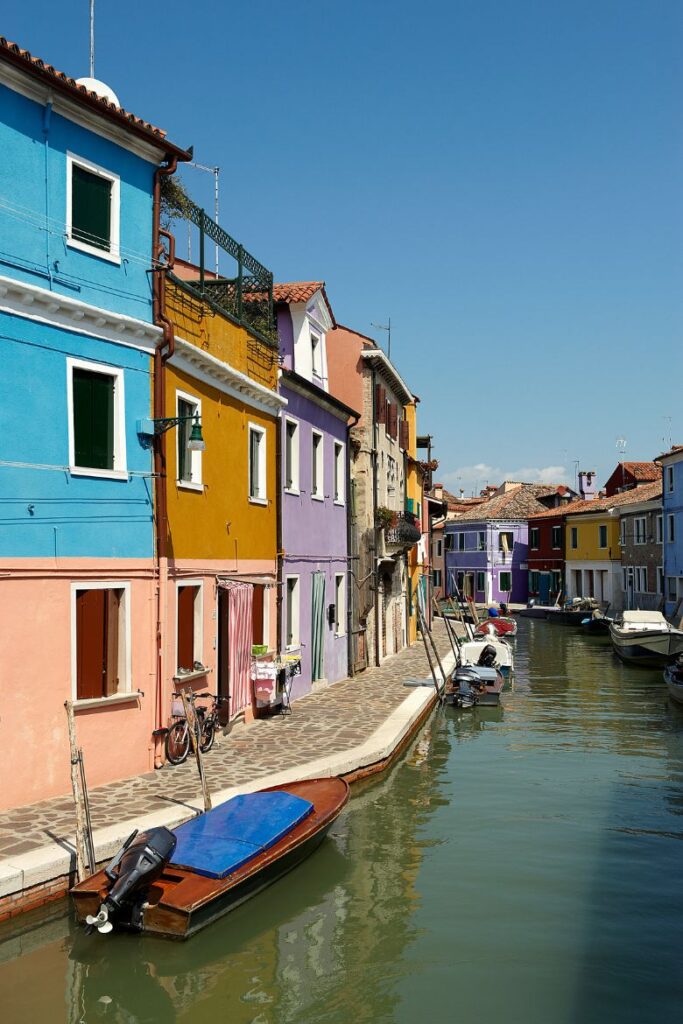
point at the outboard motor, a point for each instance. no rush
(487, 658)
(140, 861)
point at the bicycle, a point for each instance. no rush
(206, 721)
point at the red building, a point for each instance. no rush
(546, 555)
(630, 474)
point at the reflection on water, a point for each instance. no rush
(521, 862)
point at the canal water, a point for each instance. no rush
(520, 864)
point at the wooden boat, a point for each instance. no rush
(646, 638)
(597, 624)
(673, 677)
(471, 651)
(503, 626)
(474, 686)
(187, 878)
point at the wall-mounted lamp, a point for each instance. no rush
(196, 441)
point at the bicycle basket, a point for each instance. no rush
(177, 709)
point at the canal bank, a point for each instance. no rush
(354, 728)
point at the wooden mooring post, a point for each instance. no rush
(81, 827)
(193, 728)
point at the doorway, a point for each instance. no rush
(223, 681)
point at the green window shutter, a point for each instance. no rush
(184, 453)
(91, 208)
(93, 400)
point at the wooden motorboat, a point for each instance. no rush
(474, 686)
(673, 677)
(471, 651)
(173, 883)
(503, 626)
(597, 624)
(646, 638)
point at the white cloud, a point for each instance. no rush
(472, 478)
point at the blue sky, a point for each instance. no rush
(504, 180)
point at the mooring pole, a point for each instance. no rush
(432, 669)
(80, 813)
(192, 725)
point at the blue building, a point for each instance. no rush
(672, 528)
(77, 337)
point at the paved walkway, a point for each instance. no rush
(333, 720)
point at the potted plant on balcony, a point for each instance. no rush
(385, 517)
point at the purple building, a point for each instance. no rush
(486, 548)
(314, 467)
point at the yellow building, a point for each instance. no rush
(417, 562)
(593, 552)
(219, 549)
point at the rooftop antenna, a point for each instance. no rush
(215, 171)
(92, 38)
(576, 474)
(385, 327)
(668, 419)
(621, 448)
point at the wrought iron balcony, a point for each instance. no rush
(403, 531)
(248, 296)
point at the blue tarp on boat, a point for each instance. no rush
(219, 842)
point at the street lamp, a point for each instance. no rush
(196, 442)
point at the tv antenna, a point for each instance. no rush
(621, 446)
(668, 420)
(92, 38)
(385, 327)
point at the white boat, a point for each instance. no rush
(646, 638)
(472, 649)
(673, 677)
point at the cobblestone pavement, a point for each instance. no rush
(331, 720)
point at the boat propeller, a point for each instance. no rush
(100, 921)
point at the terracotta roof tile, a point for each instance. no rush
(16, 55)
(301, 291)
(520, 503)
(644, 470)
(644, 492)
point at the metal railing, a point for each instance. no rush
(403, 530)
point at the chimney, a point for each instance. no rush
(438, 492)
(587, 485)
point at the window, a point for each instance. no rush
(339, 473)
(660, 531)
(557, 537)
(461, 541)
(339, 604)
(449, 541)
(439, 548)
(189, 463)
(641, 580)
(671, 528)
(315, 355)
(189, 626)
(436, 577)
(292, 611)
(505, 582)
(92, 208)
(506, 541)
(391, 474)
(481, 540)
(533, 582)
(574, 537)
(257, 464)
(481, 583)
(671, 588)
(660, 579)
(534, 534)
(317, 465)
(97, 437)
(291, 456)
(602, 536)
(640, 524)
(669, 478)
(555, 581)
(260, 618)
(622, 532)
(624, 579)
(100, 641)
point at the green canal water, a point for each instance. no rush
(521, 864)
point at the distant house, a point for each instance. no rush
(486, 547)
(641, 538)
(672, 524)
(628, 475)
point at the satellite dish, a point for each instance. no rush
(102, 90)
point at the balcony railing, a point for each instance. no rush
(403, 531)
(246, 297)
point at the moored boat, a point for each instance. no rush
(597, 624)
(474, 686)
(503, 625)
(471, 651)
(173, 883)
(673, 677)
(646, 638)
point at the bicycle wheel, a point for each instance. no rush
(208, 735)
(177, 742)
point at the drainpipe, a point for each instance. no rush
(375, 567)
(47, 120)
(349, 572)
(278, 535)
(163, 351)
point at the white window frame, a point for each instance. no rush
(460, 546)
(601, 527)
(125, 661)
(339, 473)
(622, 532)
(316, 354)
(340, 604)
(256, 428)
(501, 588)
(481, 540)
(537, 531)
(624, 578)
(196, 484)
(671, 528)
(114, 254)
(637, 522)
(439, 548)
(296, 444)
(120, 471)
(574, 538)
(669, 478)
(318, 455)
(477, 589)
(198, 643)
(437, 578)
(295, 619)
(554, 546)
(659, 529)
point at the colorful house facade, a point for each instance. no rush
(79, 595)
(672, 521)
(641, 540)
(546, 558)
(315, 483)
